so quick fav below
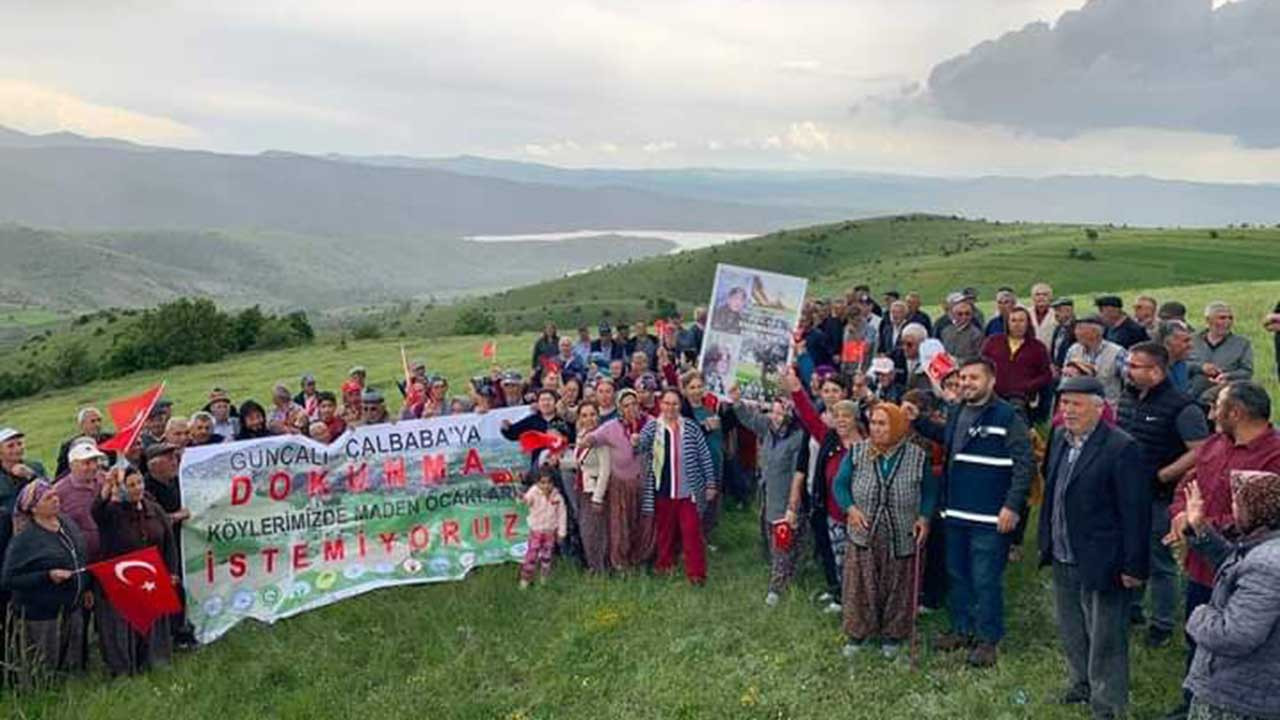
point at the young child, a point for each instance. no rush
(548, 523)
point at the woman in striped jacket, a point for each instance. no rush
(679, 481)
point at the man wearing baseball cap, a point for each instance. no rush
(78, 488)
(1094, 532)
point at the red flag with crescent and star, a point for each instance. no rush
(138, 587)
(129, 415)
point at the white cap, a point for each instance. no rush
(882, 365)
(7, 434)
(84, 451)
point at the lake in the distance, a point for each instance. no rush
(684, 240)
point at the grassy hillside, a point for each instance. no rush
(931, 254)
(80, 271)
(582, 647)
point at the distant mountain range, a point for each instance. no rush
(88, 222)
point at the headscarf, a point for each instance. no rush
(28, 497)
(899, 425)
(1257, 497)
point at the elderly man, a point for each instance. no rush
(1218, 356)
(162, 483)
(915, 314)
(1120, 328)
(1168, 426)
(891, 328)
(1107, 359)
(910, 371)
(306, 397)
(177, 432)
(1144, 313)
(1006, 301)
(1064, 332)
(1178, 340)
(200, 430)
(373, 408)
(153, 428)
(1094, 531)
(568, 361)
(1043, 319)
(15, 472)
(79, 487)
(944, 320)
(225, 422)
(962, 337)
(605, 344)
(283, 408)
(89, 422)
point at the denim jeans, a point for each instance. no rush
(1163, 581)
(976, 557)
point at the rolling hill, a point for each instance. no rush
(930, 254)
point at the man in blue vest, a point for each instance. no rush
(1168, 426)
(988, 476)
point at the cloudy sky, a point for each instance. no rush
(1172, 88)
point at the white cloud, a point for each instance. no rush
(807, 136)
(38, 109)
(659, 146)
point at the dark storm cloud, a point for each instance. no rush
(1172, 64)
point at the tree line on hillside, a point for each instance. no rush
(181, 332)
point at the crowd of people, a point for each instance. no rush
(1144, 441)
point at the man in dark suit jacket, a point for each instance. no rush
(1094, 529)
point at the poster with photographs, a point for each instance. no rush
(749, 331)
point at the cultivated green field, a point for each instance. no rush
(582, 647)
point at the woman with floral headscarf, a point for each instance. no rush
(1236, 671)
(887, 492)
(44, 569)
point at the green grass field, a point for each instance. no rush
(581, 647)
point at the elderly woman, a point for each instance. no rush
(887, 493)
(1237, 633)
(128, 520)
(835, 432)
(593, 465)
(781, 441)
(44, 569)
(630, 535)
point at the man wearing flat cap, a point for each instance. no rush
(1104, 359)
(1094, 530)
(1120, 328)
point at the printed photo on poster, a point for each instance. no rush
(753, 314)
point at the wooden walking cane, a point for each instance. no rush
(916, 566)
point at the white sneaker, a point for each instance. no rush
(852, 649)
(890, 650)
(771, 599)
(833, 608)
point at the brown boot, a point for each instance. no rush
(950, 642)
(983, 655)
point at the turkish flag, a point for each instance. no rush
(533, 440)
(137, 586)
(489, 350)
(940, 366)
(129, 415)
(854, 351)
